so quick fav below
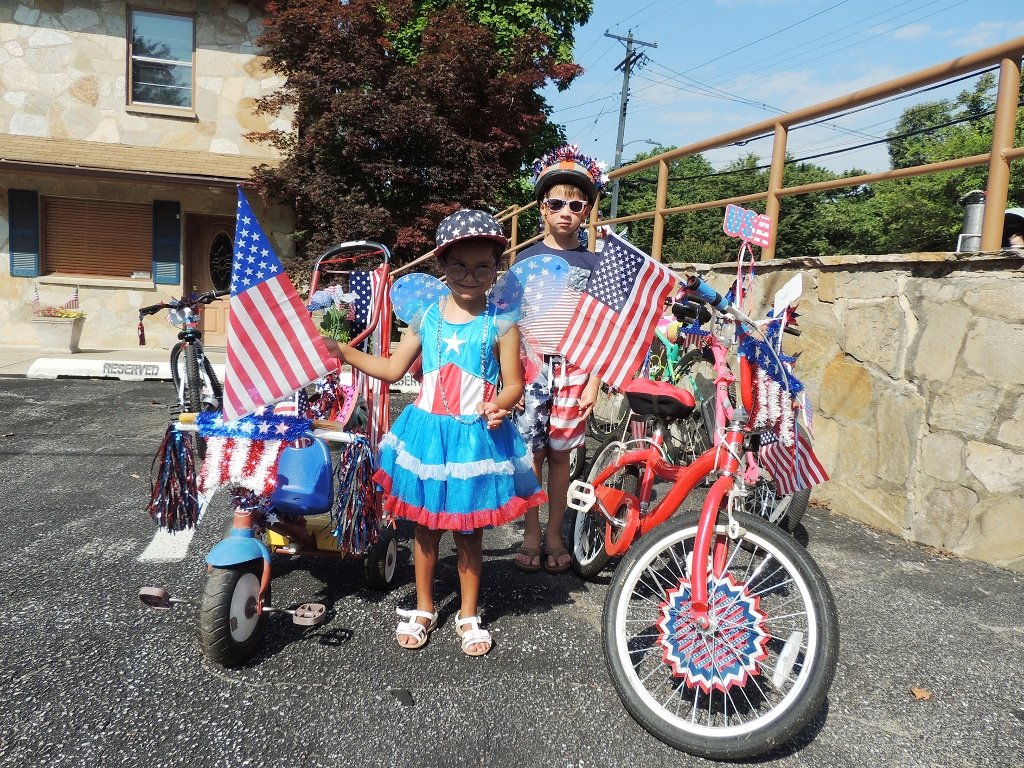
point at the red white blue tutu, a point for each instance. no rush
(440, 466)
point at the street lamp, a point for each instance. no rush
(614, 210)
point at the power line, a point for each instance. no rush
(772, 34)
(806, 158)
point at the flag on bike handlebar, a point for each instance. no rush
(618, 311)
(793, 468)
(273, 348)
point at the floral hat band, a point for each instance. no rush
(566, 165)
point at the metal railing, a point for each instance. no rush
(1006, 55)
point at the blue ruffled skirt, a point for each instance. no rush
(448, 475)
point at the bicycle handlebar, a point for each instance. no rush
(703, 293)
(203, 298)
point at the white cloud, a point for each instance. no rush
(986, 34)
(912, 32)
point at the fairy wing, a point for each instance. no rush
(411, 295)
(529, 288)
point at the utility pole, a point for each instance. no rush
(626, 65)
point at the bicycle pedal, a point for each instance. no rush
(580, 496)
(309, 614)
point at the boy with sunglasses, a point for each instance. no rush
(556, 405)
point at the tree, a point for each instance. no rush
(403, 112)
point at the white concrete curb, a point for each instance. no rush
(126, 370)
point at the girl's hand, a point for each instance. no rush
(493, 414)
(335, 348)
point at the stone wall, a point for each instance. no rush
(63, 75)
(915, 368)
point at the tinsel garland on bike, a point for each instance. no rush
(356, 510)
(775, 387)
(173, 500)
(246, 452)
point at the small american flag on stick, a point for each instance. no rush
(72, 302)
(273, 348)
(793, 468)
(615, 319)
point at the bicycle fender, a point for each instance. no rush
(235, 550)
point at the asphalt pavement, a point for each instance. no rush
(89, 677)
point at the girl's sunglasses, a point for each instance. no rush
(554, 204)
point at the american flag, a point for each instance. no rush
(72, 302)
(617, 313)
(35, 300)
(793, 468)
(692, 337)
(360, 284)
(273, 348)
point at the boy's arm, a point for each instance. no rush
(389, 369)
(589, 395)
(511, 379)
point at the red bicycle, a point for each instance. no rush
(689, 413)
(719, 630)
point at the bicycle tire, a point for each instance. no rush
(780, 646)
(588, 552)
(795, 513)
(190, 398)
(209, 387)
(609, 415)
(693, 435)
(230, 630)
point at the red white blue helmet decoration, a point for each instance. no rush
(467, 223)
(567, 165)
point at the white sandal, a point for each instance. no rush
(412, 628)
(473, 636)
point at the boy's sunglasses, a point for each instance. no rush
(554, 204)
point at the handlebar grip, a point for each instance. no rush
(150, 310)
(791, 330)
(689, 310)
(695, 285)
(218, 294)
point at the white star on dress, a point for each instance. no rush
(454, 343)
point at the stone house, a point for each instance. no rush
(122, 138)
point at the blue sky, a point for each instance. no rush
(724, 64)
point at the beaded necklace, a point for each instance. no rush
(483, 358)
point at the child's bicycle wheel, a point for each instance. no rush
(751, 681)
(609, 415)
(589, 555)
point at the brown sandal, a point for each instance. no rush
(529, 553)
(555, 554)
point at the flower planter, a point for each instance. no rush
(58, 334)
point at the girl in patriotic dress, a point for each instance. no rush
(453, 461)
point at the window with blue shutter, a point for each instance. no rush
(23, 220)
(166, 242)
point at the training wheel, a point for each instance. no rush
(309, 614)
(157, 598)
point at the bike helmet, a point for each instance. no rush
(566, 165)
(464, 224)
